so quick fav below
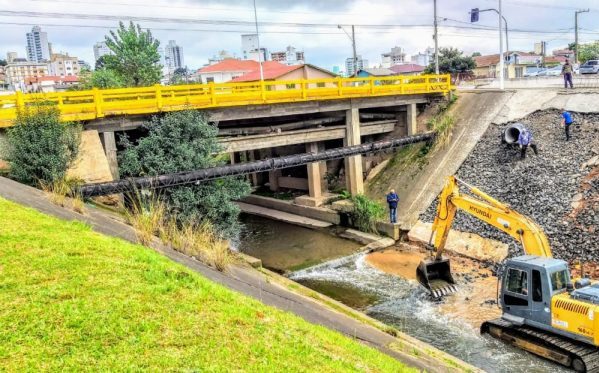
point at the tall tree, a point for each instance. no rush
(588, 52)
(452, 61)
(185, 141)
(136, 58)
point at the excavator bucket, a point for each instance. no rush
(435, 275)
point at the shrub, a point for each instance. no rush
(40, 147)
(366, 213)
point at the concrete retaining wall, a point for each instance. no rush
(318, 213)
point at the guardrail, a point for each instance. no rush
(96, 103)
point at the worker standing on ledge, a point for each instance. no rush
(567, 122)
(525, 139)
(392, 200)
(567, 73)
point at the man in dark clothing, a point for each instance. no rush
(567, 122)
(392, 200)
(525, 139)
(567, 73)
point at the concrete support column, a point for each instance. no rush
(110, 150)
(353, 165)
(314, 173)
(273, 180)
(412, 121)
(253, 176)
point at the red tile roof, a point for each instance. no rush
(484, 61)
(230, 64)
(407, 68)
(52, 78)
(271, 70)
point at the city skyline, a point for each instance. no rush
(325, 46)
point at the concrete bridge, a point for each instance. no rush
(256, 120)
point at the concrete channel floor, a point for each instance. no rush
(247, 281)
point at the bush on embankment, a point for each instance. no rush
(40, 147)
(73, 299)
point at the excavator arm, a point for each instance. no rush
(435, 274)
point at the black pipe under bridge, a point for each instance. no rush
(190, 177)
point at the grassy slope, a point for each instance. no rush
(71, 298)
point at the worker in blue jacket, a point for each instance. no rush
(392, 200)
(525, 140)
(567, 122)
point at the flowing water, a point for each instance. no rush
(388, 298)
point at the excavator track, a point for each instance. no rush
(575, 355)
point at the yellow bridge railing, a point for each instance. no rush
(96, 103)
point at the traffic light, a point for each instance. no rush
(474, 15)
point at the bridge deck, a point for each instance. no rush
(94, 104)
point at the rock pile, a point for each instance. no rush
(559, 188)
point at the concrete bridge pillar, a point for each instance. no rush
(412, 121)
(315, 178)
(353, 165)
(110, 150)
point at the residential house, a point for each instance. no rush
(366, 73)
(226, 70)
(273, 70)
(516, 64)
(50, 83)
(407, 69)
(566, 53)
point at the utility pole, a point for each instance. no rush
(576, 32)
(258, 40)
(501, 58)
(436, 37)
(353, 42)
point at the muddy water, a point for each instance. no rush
(372, 284)
(284, 247)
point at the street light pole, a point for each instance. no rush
(258, 40)
(353, 42)
(501, 58)
(576, 32)
(436, 40)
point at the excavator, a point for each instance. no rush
(544, 310)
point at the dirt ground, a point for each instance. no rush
(475, 300)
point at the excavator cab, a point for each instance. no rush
(435, 275)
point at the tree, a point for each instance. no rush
(452, 61)
(136, 58)
(588, 52)
(40, 147)
(476, 54)
(3, 63)
(102, 78)
(185, 141)
(99, 63)
(180, 76)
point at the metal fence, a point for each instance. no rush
(96, 103)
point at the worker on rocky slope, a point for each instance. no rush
(525, 140)
(567, 122)
(392, 200)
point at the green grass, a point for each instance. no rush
(72, 299)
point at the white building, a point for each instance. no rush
(173, 56)
(424, 59)
(11, 56)
(101, 49)
(18, 72)
(290, 56)
(394, 57)
(219, 57)
(38, 48)
(351, 68)
(249, 48)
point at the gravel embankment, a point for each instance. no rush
(556, 188)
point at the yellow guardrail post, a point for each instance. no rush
(339, 86)
(211, 93)
(20, 100)
(371, 86)
(262, 91)
(304, 92)
(98, 102)
(158, 93)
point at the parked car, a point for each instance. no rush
(533, 71)
(554, 71)
(590, 67)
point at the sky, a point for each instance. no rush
(309, 25)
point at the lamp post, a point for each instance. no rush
(258, 41)
(436, 37)
(353, 42)
(576, 32)
(474, 18)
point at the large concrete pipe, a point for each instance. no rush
(511, 133)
